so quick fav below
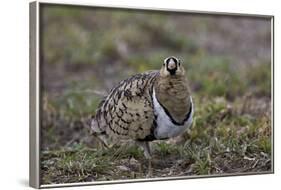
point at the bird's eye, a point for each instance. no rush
(163, 64)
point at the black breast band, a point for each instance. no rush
(172, 119)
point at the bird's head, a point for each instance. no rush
(172, 67)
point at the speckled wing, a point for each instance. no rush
(127, 112)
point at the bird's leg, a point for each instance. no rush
(149, 174)
(147, 153)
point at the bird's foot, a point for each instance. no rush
(150, 171)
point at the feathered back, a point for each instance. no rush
(127, 112)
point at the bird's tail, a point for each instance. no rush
(94, 126)
(99, 133)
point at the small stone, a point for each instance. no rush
(133, 161)
(123, 168)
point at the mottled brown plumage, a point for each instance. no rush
(147, 106)
(127, 112)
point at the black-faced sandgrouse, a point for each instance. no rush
(154, 105)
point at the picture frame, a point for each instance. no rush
(36, 88)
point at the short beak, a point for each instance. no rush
(171, 65)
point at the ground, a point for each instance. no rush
(228, 67)
(222, 140)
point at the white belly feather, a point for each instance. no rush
(165, 127)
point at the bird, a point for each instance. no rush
(154, 105)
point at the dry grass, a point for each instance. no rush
(228, 66)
